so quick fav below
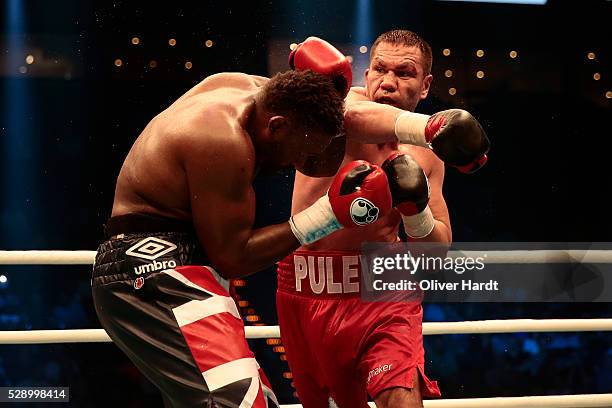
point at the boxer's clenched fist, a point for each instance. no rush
(359, 195)
(323, 58)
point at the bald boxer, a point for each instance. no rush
(336, 345)
(182, 224)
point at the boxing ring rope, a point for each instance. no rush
(535, 256)
(467, 327)
(265, 332)
(549, 401)
(50, 257)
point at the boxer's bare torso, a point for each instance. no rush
(153, 178)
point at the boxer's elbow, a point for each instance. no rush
(370, 122)
(232, 268)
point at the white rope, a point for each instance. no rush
(53, 336)
(540, 256)
(518, 326)
(265, 332)
(549, 401)
(47, 257)
(492, 257)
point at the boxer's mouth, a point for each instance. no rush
(387, 101)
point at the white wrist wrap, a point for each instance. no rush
(315, 222)
(419, 225)
(410, 128)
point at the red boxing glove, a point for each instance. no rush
(323, 58)
(359, 194)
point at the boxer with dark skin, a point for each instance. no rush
(202, 154)
(182, 224)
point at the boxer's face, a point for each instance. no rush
(291, 145)
(396, 76)
(306, 144)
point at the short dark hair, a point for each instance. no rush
(409, 39)
(307, 98)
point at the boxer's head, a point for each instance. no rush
(302, 112)
(400, 69)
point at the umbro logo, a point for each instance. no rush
(150, 248)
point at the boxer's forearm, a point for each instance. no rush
(371, 122)
(454, 135)
(264, 247)
(440, 233)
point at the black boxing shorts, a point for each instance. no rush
(173, 316)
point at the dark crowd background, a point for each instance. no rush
(68, 119)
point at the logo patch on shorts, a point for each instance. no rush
(138, 282)
(150, 248)
(363, 211)
(378, 370)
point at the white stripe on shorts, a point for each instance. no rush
(228, 373)
(195, 310)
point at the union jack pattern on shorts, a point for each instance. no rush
(222, 355)
(179, 326)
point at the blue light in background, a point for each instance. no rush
(19, 151)
(363, 23)
(363, 35)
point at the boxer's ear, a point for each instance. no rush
(278, 127)
(426, 85)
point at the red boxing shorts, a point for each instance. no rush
(336, 344)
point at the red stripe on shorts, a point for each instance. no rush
(215, 340)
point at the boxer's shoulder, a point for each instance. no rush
(206, 114)
(425, 157)
(215, 133)
(237, 80)
(225, 86)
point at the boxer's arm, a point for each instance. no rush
(370, 122)
(356, 94)
(442, 231)
(223, 211)
(454, 135)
